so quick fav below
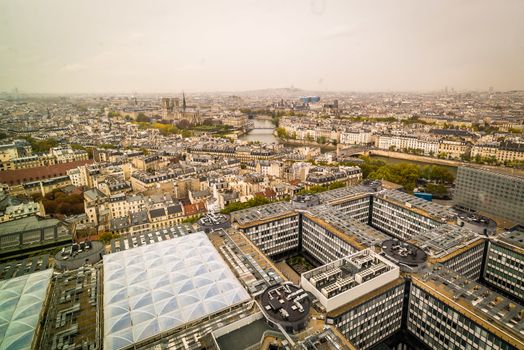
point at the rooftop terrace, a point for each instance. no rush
(352, 230)
(436, 211)
(345, 193)
(445, 239)
(261, 213)
(346, 279)
(491, 310)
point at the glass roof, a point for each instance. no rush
(156, 287)
(21, 301)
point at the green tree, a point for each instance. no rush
(191, 219)
(282, 133)
(254, 202)
(143, 118)
(437, 190)
(41, 146)
(106, 237)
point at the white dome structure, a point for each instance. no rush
(157, 287)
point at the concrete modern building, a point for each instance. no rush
(457, 248)
(328, 235)
(344, 280)
(449, 311)
(357, 290)
(491, 192)
(274, 228)
(504, 266)
(404, 216)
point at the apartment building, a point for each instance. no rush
(65, 154)
(503, 152)
(453, 149)
(16, 149)
(325, 176)
(357, 137)
(402, 143)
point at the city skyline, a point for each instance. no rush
(243, 46)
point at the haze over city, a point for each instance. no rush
(261, 175)
(170, 46)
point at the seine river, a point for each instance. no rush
(265, 135)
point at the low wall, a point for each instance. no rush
(424, 159)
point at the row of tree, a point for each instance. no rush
(60, 203)
(321, 188)
(406, 174)
(41, 146)
(254, 202)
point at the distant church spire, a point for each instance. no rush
(183, 102)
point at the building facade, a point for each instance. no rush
(494, 193)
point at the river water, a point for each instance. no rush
(263, 135)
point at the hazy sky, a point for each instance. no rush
(170, 46)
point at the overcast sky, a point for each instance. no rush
(65, 46)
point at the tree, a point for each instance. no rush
(184, 124)
(282, 133)
(41, 146)
(106, 237)
(437, 190)
(254, 202)
(191, 219)
(208, 121)
(113, 114)
(89, 150)
(143, 118)
(58, 202)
